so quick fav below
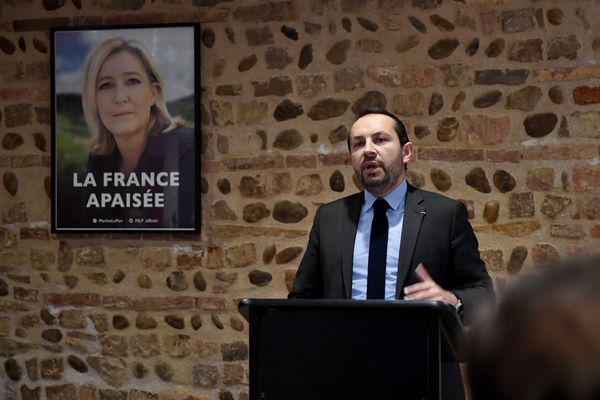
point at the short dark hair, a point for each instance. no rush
(398, 125)
(544, 340)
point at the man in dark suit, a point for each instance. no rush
(431, 252)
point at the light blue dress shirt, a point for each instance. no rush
(360, 260)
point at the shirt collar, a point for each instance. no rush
(395, 198)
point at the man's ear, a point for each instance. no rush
(407, 152)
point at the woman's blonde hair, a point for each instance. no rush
(102, 140)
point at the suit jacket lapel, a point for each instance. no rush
(349, 225)
(414, 212)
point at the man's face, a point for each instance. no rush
(377, 156)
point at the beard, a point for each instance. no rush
(389, 176)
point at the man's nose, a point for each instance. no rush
(369, 147)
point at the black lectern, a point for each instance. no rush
(349, 349)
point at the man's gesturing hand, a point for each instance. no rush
(427, 289)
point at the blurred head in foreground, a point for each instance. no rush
(544, 340)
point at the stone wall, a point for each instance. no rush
(500, 98)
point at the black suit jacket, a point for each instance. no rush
(435, 231)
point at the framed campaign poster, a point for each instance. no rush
(125, 130)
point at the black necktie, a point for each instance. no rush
(378, 251)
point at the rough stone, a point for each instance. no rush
(472, 47)
(287, 109)
(11, 183)
(164, 370)
(372, 98)
(328, 108)
(543, 254)
(276, 86)
(236, 351)
(442, 48)
(487, 99)
(540, 125)
(216, 321)
(567, 231)
(504, 181)
(16, 115)
(521, 205)
(436, 103)
(563, 46)
(241, 256)
(247, 63)
(175, 321)
(524, 99)
(144, 281)
(265, 12)
(441, 23)
(253, 186)
(416, 179)
(72, 319)
(11, 141)
(208, 37)
(114, 346)
(62, 392)
(517, 258)
(347, 24)
(177, 281)
(491, 211)
(145, 321)
(288, 212)
(408, 43)
(584, 95)
(588, 207)
(555, 16)
(586, 178)
(288, 254)
(369, 46)
(254, 212)
(290, 32)
(196, 322)
(259, 278)
(495, 48)
(259, 36)
(409, 104)
(206, 376)
(556, 95)
(528, 51)
(499, 77)
(417, 24)
(31, 394)
(253, 112)
(288, 139)
(100, 321)
(338, 53)
(120, 322)
(277, 58)
(540, 179)
(52, 368)
(553, 205)
(367, 24)
(309, 86)
(177, 345)
(457, 75)
(347, 79)
(440, 179)
(458, 101)
(13, 369)
(336, 181)
(90, 256)
(477, 179)
(199, 281)
(306, 56)
(229, 90)
(515, 21)
(584, 124)
(493, 260)
(447, 129)
(309, 185)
